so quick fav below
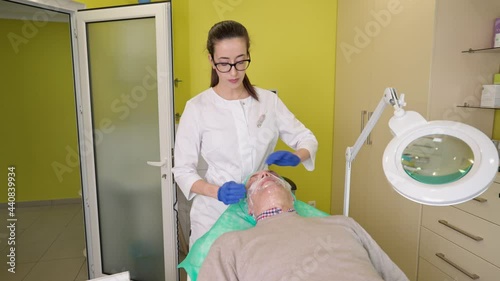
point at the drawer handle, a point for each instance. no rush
(480, 199)
(458, 267)
(472, 236)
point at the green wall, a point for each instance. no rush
(37, 110)
(293, 51)
(496, 126)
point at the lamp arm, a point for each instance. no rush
(389, 98)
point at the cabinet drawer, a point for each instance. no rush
(432, 244)
(489, 245)
(428, 272)
(489, 209)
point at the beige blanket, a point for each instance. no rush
(289, 247)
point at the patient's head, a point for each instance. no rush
(265, 190)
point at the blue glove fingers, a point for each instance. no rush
(231, 192)
(231, 200)
(283, 158)
(237, 190)
(272, 158)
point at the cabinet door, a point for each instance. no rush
(486, 206)
(428, 272)
(453, 260)
(474, 234)
(384, 53)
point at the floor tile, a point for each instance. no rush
(60, 215)
(31, 246)
(55, 270)
(83, 274)
(21, 270)
(49, 244)
(26, 216)
(4, 236)
(69, 244)
(20, 224)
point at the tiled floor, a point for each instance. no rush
(49, 244)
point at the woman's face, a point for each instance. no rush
(230, 50)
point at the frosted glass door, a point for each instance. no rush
(129, 113)
(128, 190)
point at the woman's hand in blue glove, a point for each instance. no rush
(283, 158)
(231, 192)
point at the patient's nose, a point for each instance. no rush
(265, 174)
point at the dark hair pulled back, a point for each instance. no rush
(226, 30)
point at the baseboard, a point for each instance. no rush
(41, 203)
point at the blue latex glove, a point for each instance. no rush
(231, 192)
(283, 158)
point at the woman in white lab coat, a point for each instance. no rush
(234, 126)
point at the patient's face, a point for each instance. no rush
(265, 190)
(259, 175)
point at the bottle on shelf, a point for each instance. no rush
(496, 40)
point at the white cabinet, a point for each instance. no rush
(462, 241)
(414, 46)
(379, 44)
(427, 271)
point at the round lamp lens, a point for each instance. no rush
(437, 159)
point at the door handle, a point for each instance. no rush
(157, 164)
(459, 268)
(369, 138)
(176, 82)
(480, 199)
(363, 113)
(461, 231)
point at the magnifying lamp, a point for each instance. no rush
(436, 163)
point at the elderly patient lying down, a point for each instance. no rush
(286, 246)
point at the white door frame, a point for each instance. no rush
(165, 100)
(164, 78)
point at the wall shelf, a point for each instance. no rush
(476, 106)
(485, 50)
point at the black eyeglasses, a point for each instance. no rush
(226, 67)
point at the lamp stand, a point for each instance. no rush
(389, 98)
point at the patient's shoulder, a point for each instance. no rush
(230, 240)
(335, 220)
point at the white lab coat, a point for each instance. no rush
(234, 137)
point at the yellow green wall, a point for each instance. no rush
(293, 51)
(37, 110)
(293, 47)
(496, 126)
